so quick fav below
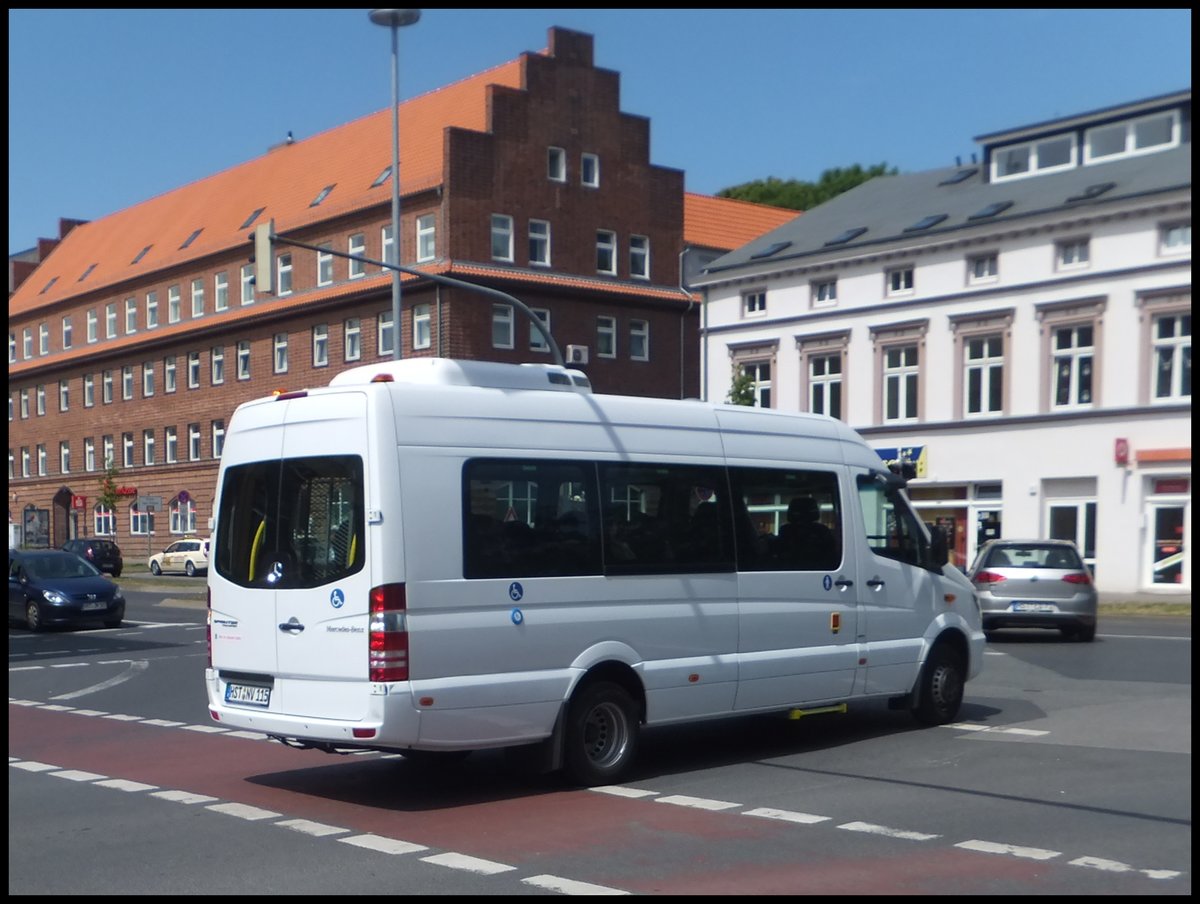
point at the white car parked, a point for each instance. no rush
(189, 556)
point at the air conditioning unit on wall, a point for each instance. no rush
(577, 354)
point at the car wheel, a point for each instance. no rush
(190, 568)
(117, 573)
(33, 616)
(115, 621)
(941, 685)
(601, 738)
(1086, 633)
(155, 568)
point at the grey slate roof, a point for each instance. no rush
(889, 205)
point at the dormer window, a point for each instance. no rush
(1134, 136)
(1035, 157)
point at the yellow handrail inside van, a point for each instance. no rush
(255, 547)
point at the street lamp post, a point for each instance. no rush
(395, 19)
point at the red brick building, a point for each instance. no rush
(133, 338)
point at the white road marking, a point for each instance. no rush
(786, 816)
(700, 803)
(135, 668)
(991, 847)
(872, 829)
(122, 784)
(78, 775)
(621, 791)
(183, 797)
(570, 887)
(244, 811)
(308, 827)
(468, 864)
(383, 845)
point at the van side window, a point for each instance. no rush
(665, 519)
(893, 531)
(787, 520)
(525, 518)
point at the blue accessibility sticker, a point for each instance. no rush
(337, 599)
(515, 591)
(827, 582)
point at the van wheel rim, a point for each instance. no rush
(605, 734)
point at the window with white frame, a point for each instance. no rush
(606, 251)
(25, 461)
(1071, 254)
(127, 450)
(606, 336)
(139, 521)
(93, 325)
(283, 275)
(247, 284)
(89, 390)
(217, 365)
(639, 257)
(901, 375)
(64, 457)
(64, 395)
(426, 237)
(169, 373)
(12, 348)
(352, 339)
(182, 516)
(151, 310)
(1143, 135)
(325, 265)
(1172, 341)
(983, 268)
(639, 340)
(106, 447)
(218, 438)
(385, 335)
(983, 379)
(40, 395)
(147, 379)
(754, 304)
(104, 521)
(537, 341)
(148, 446)
(320, 344)
(1073, 355)
(502, 237)
(1044, 155)
(197, 297)
(130, 315)
(193, 442)
(556, 164)
(27, 343)
(281, 353)
(171, 444)
(43, 339)
(824, 293)
(759, 373)
(89, 454)
(539, 243)
(66, 333)
(1175, 238)
(900, 281)
(127, 382)
(173, 304)
(221, 291)
(502, 326)
(24, 404)
(106, 387)
(358, 245)
(388, 244)
(110, 320)
(825, 384)
(243, 360)
(421, 326)
(193, 370)
(589, 170)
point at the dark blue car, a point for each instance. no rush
(51, 587)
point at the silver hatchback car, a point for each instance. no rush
(1035, 584)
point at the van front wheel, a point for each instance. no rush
(941, 686)
(601, 737)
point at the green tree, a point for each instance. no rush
(741, 390)
(799, 195)
(108, 486)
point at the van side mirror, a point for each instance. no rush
(939, 547)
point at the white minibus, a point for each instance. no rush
(432, 556)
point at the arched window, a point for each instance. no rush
(183, 516)
(104, 521)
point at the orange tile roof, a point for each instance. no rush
(725, 223)
(284, 181)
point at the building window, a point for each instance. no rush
(183, 514)
(171, 441)
(221, 291)
(539, 243)
(218, 438)
(89, 391)
(502, 326)
(556, 164)
(983, 268)
(901, 371)
(173, 305)
(606, 251)
(197, 297)
(421, 326)
(606, 336)
(984, 375)
(27, 343)
(89, 454)
(283, 275)
(106, 390)
(1175, 238)
(41, 400)
(25, 461)
(93, 325)
(104, 521)
(148, 379)
(127, 450)
(169, 373)
(64, 457)
(1157, 132)
(217, 365)
(1053, 153)
(1072, 364)
(12, 348)
(537, 342)
(140, 523)
(281, 353)
(352, 339)
(66, 335)
(107, 448)
(385, 335)
(358, 245)
(24, 404)
(193, 370)
(754, 304)
(389, 246)
(127, 382)
(639, 257)
(110, 320)
(824, 293)
(148, 446)
(639, 340)
(43, 339)
(64, 395)
(502, 237)
(151, 310)
(1071, 254)
(825, 384)
(193, 442)
(320, 345)
(589, 170)
(247, 284)
(324, 266)
(130, 315)
(243, 360)
(426, 237)
(900, 281)
(759, 373)
(1172, 378)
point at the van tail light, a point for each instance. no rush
(388, 639)
(1078, 577)
(989, 577)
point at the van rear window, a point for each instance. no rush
(291, 523)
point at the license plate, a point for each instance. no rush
(98, 604)
(1034, 607)
(248, 695)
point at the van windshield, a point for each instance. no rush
(291, 523)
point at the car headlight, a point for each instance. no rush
(118, 597)
(53, 596)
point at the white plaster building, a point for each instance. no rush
(1019, 328)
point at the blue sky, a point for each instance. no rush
(110, 107)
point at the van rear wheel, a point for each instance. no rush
(601, 734)
(941, 687)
